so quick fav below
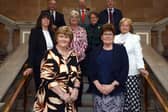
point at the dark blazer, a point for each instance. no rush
(119, 68)
(59, 20)
(37, 48)
(117, 16)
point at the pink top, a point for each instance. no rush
(79, 42)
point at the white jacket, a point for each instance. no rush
(134, 51)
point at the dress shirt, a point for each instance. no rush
(48, 40)
(53, 12)
(108, 10)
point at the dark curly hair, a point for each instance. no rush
(44, 14)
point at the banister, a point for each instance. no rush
(8, 105)
(20, 84)
(159, 97)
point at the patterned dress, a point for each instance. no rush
(79, 42)
(56, 71)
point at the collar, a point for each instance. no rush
(52, 11)
(112, 10)
(82, 10)
(125, 34)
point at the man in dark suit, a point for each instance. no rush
(111, 15)
(84, 13)
(57, 17)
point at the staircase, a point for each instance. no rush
(2, 56)
(87, 104)
(87, 100)
(9, 70)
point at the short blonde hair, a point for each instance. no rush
(66, 30)
(74, 13)
(129, 21)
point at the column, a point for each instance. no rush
(9, 47)
(160, 47)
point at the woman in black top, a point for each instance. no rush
(108, 71)
(93, 36)
(41, 39)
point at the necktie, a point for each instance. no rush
(111, 16)
(52, 16)
(83, 16)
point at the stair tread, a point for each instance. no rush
(85, 109)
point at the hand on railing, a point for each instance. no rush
(27, 72)
(144, 72)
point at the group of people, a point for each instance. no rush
(101, 46)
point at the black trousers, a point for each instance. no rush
(37, 79)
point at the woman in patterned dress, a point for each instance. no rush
(136, 65)
(60, 76)
(79, 44)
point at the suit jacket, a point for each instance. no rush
(87, 21)
(59, 20)
(37, 48)
(117, 16)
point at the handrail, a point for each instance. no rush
(159, 97)
(160, 25)
(15, 24)
(20, 84)
(7, 21)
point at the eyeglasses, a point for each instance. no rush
(108, 34)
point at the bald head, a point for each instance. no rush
(82, 4)
(110, 3)
(52, 4)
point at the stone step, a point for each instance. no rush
(85, 79)
(1, 105)
(85, 109)
(11, 67)
(85, 87)
(87, 100)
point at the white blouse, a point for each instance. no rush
(48, 39)
(134, 51)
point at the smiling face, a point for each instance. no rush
(93, 19)
(125, 27)
(52, 4)
(74, 20)
(63, 40)
(45, 22)
(107, 37)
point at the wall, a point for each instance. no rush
(138, 10)
(3, 37)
